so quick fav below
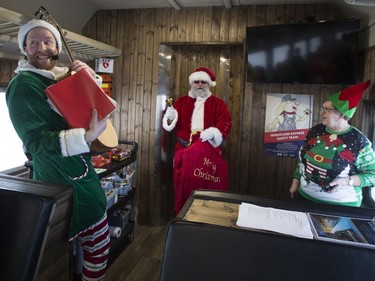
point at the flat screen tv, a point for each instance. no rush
(318, 53)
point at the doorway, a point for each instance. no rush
(176, 63)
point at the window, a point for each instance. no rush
(10, 144)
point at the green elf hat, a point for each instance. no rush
(347, 100)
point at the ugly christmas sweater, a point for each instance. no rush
(55, 147)
(325, 156)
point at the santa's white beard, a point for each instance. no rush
(200, 92)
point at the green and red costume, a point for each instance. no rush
(326, 155)
(55, 147)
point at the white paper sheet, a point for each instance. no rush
(277, 220)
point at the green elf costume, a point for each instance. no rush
(327, 155)
(55, 147)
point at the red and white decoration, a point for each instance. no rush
(104, 65)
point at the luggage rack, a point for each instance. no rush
(84, 48)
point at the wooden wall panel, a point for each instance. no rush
(121, 67)
(7, 68)
(139, 34)
(365, 118)
(233, 25)
(182, 25)
(250, 171)
(216, 20)
(250, 12)
(173, 27)
(224, 19)
(234, 101)
(207, 24)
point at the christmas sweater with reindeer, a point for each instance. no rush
(325, 156)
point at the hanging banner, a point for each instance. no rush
(288, 119)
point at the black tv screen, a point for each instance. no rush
(318, 53)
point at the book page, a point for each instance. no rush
(277, 220)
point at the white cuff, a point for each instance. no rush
(98, 79)
(171, 126)
(218, 137)
(73, 142)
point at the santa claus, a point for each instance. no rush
(199, 114)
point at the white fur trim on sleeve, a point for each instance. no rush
(218, 137)
(73, 142)
(169, 127)
(98, 80)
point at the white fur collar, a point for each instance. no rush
(54, 74)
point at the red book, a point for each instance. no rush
(76, 96)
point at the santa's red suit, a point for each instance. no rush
(204, 116)
(214, 116)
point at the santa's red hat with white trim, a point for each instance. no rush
(203, 74)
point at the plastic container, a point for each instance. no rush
(119, 218)
(111, 195)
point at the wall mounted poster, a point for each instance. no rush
(288, 119)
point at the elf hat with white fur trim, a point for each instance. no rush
(203, 74)
(24, 30)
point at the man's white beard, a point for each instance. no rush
(200, 92)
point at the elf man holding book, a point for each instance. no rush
(56, 148)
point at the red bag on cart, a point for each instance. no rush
(200, 166)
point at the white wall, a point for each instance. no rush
(367, 35)
(366, 14)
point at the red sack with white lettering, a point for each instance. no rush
(200, 166)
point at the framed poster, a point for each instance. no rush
(287, 121)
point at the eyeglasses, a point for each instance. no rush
(201, 82)
(326, 109)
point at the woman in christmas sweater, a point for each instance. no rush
(336, 160)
